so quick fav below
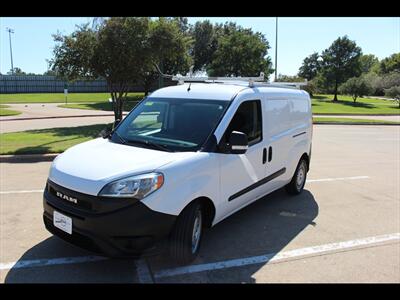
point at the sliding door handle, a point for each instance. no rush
(264, 158)
(269, 153)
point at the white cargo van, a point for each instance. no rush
(182, 160)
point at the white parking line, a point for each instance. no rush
(276, 257)
(143, 272)
(50, 262)
(336, 179)
(21, 192)
(308, 181)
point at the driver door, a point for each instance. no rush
(241, 173)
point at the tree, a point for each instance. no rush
(386, 81)
(183, 24)
(368, 62)
(394, 92)
(356, 87)
(50, 73)
(390, 64)
(204, 44)
(116, 51)
(240, 52)
(288, 78)
(17, 71)
(340, 62)
(310, 66)
(169, 50)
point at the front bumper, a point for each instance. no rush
(108, 226)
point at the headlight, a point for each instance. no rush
(138, 186)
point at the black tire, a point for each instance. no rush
(180, 243)
(293, 187)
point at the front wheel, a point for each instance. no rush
(298, 181)
(187, 233)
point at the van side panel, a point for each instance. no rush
(278, 128)
(301, 124)
(189, 178)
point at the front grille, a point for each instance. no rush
(82, 200)
(87, 205)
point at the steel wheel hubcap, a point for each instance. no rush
(196, 231)
(301, 174)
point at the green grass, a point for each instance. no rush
(60, 98)
(54, 140)
(106, 106)
(353, 121)
(322, 104)
(7, 112)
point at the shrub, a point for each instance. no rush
(356, 87)
(393, 92)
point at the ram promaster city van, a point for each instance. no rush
(185, 158)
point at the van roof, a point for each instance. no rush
(217, 91)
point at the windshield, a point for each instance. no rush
(171, 124)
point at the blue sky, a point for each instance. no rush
(298, 37)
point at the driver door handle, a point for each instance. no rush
(264, 159)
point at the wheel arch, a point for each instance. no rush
(208, 209)
(307, 159)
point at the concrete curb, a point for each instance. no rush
(27, 158)
(58, 117)
(355, 115)
(380, 124)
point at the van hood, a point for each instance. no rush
(89, 166)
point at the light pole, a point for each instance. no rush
(9, 37)
(276, 47)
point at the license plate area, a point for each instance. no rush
(62, 222)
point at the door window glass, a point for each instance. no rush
(247, 119)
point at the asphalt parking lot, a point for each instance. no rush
(344, 227)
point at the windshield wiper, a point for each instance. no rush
(148, 143)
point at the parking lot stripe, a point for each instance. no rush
(50, 262)
(21, 192)
(277, 257)
(143, 271)
(336, 179)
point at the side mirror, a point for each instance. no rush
(238, 142)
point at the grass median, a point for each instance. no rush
(7, 112)
(53, 140)
(322, 104)
(60, 97)
(327, 120)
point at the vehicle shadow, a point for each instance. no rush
(102, 271)
(264, 227)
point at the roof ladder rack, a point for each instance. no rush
(250, 80)
(283, 84)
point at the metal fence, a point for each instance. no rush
(12, 84)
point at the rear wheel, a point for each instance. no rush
(186, 236)
(298, 181)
